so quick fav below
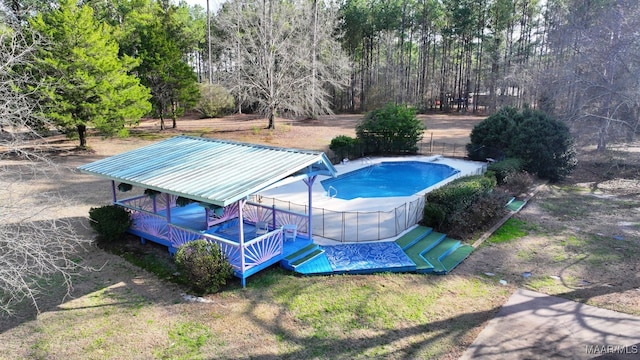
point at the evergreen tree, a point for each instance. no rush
(172, 81)
(543, 144)
(87, 83)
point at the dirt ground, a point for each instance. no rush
(581, 241)
(303, 134)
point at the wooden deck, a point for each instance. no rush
(419, 250)
(247, 254)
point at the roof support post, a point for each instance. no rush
(168, 201)
(113, 191)
(309, 181)
(241, 235)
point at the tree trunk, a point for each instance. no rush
(314, 70)
(161, 121)
(602, 136)
(272, 124)
(82, 135)
(174, 114)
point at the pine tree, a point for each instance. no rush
(87, 83)
(172, 81)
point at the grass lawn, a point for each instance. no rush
(575, 244)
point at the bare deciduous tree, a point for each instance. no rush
(275, 62)
(35, 246)
(596, 82)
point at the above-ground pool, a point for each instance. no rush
(387, 179)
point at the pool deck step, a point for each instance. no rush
(424, 244)
(308, 257)
(516, 205)
(413, 236)
(431, 251)
(436, 254)
(301, 252)
(456, 257)
(296, 257)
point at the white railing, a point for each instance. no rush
(354, 226)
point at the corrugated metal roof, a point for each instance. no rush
(209, 170)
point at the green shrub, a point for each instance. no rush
(546, 146)
(344, 146)
(433, 215)
(461, 193)
(481, 214)
(543, 143)
(491, 175)
(462, 206)
(503, 169)
(203, 265)
(394, 129)
(110, 222)
(215, 101)
(495, 131)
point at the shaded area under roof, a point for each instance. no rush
(214, 171)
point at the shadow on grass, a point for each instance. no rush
(449, 337)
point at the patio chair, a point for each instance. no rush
(262, 227)
(289, 232)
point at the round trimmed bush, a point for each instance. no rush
(203, 265)
(110, 222)
(394, 129)
(543, 143)
(343, 146)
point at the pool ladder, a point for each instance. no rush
(329, 192)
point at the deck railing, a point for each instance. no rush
(148, 203)
(256, 251)
(276, 217)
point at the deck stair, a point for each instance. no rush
(302, 256)
(433, 252)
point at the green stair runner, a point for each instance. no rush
(516, 205)
(427, 242)
(439, 251)
(301, 252)
(412, 236)
(455, 258)
(308, 257)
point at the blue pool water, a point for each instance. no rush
(387, 179)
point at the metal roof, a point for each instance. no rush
(214, 171)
